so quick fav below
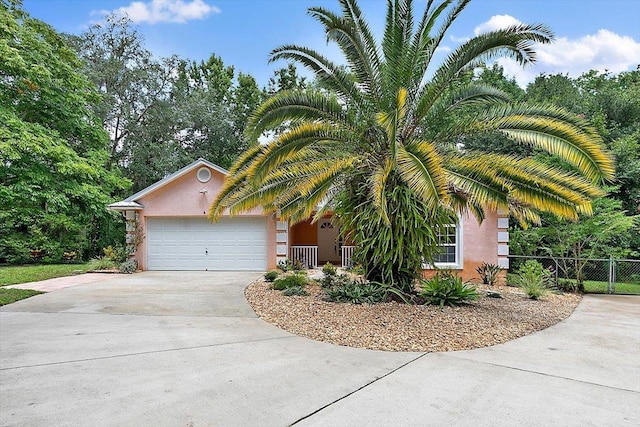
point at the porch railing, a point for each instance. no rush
(347, 254)
(307, 255)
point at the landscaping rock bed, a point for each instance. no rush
(400, 327)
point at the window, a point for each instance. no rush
(203, 174)
(447, 243)
(450, 245)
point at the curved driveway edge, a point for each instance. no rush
(185, 349)
(62, 282)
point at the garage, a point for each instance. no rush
(238, 243)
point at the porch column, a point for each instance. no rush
(282, 241)
(503, 238)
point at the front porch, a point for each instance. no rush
(315, 244)
(308, 256)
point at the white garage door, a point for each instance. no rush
(198, 244)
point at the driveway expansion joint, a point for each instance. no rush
(544, 374)
(142, 353)
(356, 390)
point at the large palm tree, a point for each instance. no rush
(381, 141)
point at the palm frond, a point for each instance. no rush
(360, 56)
(430, 43)
(300, 201)
(291, 142)
(420, 167)
(497, 181)
(329, 75)
(562, 139)
(379, 179)
(294, 106)
(515, 42)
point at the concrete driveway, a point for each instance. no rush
(185, 349)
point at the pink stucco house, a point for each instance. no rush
(168, 229)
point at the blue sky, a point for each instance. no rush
(591, 34)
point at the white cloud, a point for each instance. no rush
(459, 39)
(496, 22)
(602, 51)
(172, 11)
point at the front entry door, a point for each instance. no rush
(328, 245)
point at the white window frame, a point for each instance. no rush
(459, 264)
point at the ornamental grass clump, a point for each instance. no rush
(447, 289)
(534, 279)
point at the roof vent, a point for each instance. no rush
(204, 174)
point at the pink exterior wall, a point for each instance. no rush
(479, 244)
(183, 198)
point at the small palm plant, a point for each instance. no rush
(380, 142)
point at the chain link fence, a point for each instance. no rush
(612, 276)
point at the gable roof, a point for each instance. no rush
(130, 202)
(170, 178)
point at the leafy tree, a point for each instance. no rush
(387, 165)
(53, 185)
(570, 243)
(626, 150)
(556, 89)
(131, 81)
(246, 97)
(213, 111)
(494, 77)
(163, 113)
(285, 79)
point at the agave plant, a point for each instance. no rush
(379, 142)
(488, 273)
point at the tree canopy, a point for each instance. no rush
(53, 181)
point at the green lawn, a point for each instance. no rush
(596, 287)
(7, 296)
(32, 273)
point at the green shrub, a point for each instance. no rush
(289, 281)
(329, 275)
(567, 285)
(534, 279)
(295, 291)
(270, 276)
(117, 254)
(447, 290)
(329, 269)
(101, 263)
(488, 273)
(327, 281)
(130, 266)
(512, 279)
(356, 291)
